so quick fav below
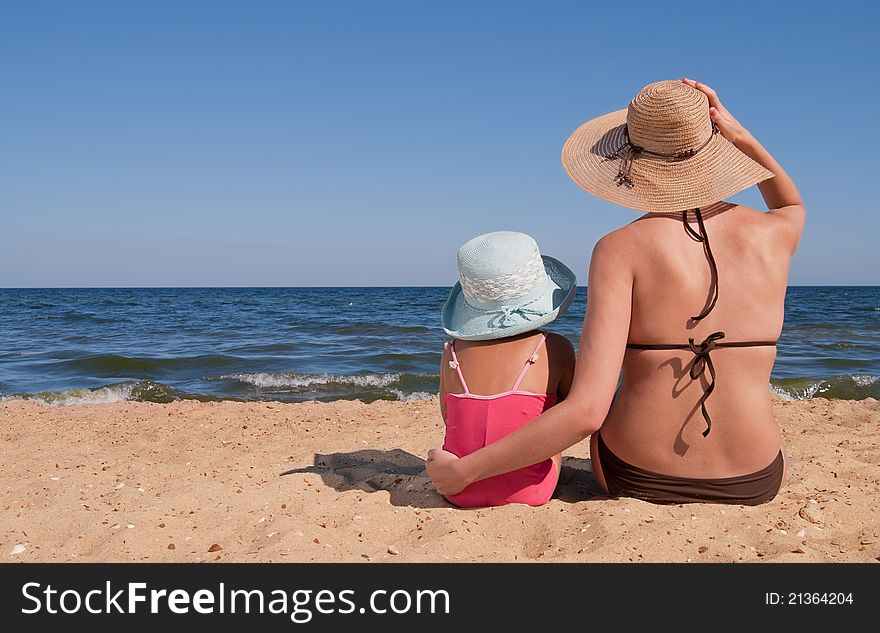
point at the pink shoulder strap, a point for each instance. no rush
(529, 362)
(457, 366)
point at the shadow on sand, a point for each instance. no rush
(402, 475)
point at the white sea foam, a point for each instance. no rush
(803, 393)
(298, 381)
(267, 380)
(408, 397)
(864, 381)
(782, 393)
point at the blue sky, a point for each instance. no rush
(285, 143)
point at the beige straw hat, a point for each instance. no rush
(663, 153)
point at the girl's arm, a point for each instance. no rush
(602, 346)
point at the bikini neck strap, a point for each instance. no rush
(700, 235)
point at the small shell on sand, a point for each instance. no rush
(18, 549)
(811, 512)
(215, 548)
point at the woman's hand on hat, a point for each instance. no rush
(444, 471)
(730, 128)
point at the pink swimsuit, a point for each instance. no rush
(473, 421)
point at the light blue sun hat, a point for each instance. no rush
(505, 287)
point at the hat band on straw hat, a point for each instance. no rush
(629, 151)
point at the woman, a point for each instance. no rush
(692, 322)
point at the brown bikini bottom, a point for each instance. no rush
(626, 480)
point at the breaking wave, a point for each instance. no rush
(850, 387)
(292, 380)
(138, 391)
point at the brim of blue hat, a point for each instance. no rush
(463, 321)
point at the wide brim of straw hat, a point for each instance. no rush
(717, 171)
(464, 321)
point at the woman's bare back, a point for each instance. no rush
(655, 421)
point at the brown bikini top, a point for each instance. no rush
(702, 352)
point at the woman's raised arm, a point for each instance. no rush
(780, 193)
(600, 356)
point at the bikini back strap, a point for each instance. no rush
(702, 362)
(457, 367)
(531, 360)
(701, 236)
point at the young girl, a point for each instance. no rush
(500, 372)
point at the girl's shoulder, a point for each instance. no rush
(560, 349)
(559, 340)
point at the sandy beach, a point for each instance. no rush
(344, 481)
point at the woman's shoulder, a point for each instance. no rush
(778, 229)
(633, 236)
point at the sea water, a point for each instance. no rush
(70, 346)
